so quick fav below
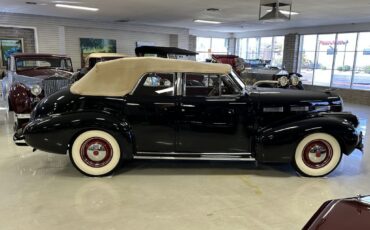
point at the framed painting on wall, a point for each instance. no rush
(8, 46)
(96, 45)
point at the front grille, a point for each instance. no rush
(52, 85)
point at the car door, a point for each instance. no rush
(212, 116)
(151, 111)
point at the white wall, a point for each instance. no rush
(61, 35)
(125, 40)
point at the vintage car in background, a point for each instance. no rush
(256, 72)
(342, 214)
(30, 77)
(156, 108)
(94, 58)
(164, 52)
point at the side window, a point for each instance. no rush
(156, 84)
(228, 86)
(208, 85)
(201, 85)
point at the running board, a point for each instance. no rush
(196, 156)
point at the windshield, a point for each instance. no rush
(28, 63)
(237, 79)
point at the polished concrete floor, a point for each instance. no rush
(43, 191)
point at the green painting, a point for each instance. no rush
(8, 47)
(96, 45)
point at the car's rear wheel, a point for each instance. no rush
(317, 155)
(95, 153)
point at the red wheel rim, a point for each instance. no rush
(96, 152)
(317, 154)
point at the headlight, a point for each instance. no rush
(283, 81)
(36, 90)
(294, 79)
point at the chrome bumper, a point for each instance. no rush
(18, 138)
(360, 145)
(23, 115)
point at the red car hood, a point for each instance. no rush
(45, 73)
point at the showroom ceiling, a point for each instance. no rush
(235, 15)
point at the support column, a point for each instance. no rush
(291, 52)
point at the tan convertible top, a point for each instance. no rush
(119, 77)
(102, 55)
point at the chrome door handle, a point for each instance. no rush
(187, 105)
(164, 103)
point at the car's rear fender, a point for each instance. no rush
(56, 134)
(278, 144)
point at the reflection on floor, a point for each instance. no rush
(43, 191)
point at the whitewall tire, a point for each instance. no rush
(317, 155)
(95, 153)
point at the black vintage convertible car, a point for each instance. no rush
(154, 108)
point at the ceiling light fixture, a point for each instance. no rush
(206, 21)
(76, 7)
(286, 12)
(275, 13)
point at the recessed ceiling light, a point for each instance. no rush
(213, 9)
(285, 12)
(67, 2)
(206, 21)
(123, 20)
(76, 7)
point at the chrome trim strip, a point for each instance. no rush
(133, 104)
(23, 116)
(193, 158)
(164, 103)
(187, 105)
(220, 99)
(184, 154)
(237, 103)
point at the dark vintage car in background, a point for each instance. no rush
(94, 58)
(30, 77)
(164, 52)
(259, 72)
(156, 108)
(342, 214)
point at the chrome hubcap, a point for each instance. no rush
(96, 152)
(317, 154)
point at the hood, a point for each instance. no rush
(45, 73)
(30, 77)
(302, 100)
(277, 95)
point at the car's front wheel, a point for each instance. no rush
(95, 153)
(317, 155)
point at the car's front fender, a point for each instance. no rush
(56, 133)
(278, 144)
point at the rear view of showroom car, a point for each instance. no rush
(155, 108)
(29, 78)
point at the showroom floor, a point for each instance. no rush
(44, 191)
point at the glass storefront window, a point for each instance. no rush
(208, 46)
(361, 78)
(266, 48)
(278, 52)
(332, 60)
